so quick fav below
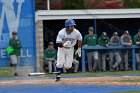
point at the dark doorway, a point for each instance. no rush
(51, 27)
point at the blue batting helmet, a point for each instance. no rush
(69, 22)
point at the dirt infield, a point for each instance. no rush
(104, 80)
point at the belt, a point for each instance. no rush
(67, 47)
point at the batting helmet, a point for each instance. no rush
(69, 22)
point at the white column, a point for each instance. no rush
(48, 4)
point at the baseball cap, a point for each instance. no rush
(104, 34)
(90, 29)
(126, 32)
(115, 33)
(50, 43)
(14, 32)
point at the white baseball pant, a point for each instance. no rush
(65, 57)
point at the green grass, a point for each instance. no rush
(128, 92)
(6, 72)
(88, 74)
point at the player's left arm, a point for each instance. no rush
(78, 51)
(18, 44)
(79, 43)
(79, 40)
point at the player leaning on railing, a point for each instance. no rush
(91, 40)
(126, 41)
(114, 54)
(103, 41)
(137, 42)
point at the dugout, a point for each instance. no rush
(109, 20)
(51, 27)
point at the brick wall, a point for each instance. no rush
(39, 46)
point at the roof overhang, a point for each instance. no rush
(87, 14)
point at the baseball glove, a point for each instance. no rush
(78, 51)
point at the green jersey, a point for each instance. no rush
(50, 53)
(137, 39)
(103, 42)
(90, 40)
(16, 44)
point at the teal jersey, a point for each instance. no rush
(137, 39)
(90, 40)
(16, 44)
(50, 53)
(103, 42)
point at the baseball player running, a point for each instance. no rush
(66, 40)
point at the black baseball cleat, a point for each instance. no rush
(58, 77)
(15, 74)
(112, 69)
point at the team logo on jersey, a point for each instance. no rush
(68, 39)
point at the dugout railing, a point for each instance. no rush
(91, 48)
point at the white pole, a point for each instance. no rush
(48, 4)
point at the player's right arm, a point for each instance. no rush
(59, 40)
(11, 43)
(59, 44)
